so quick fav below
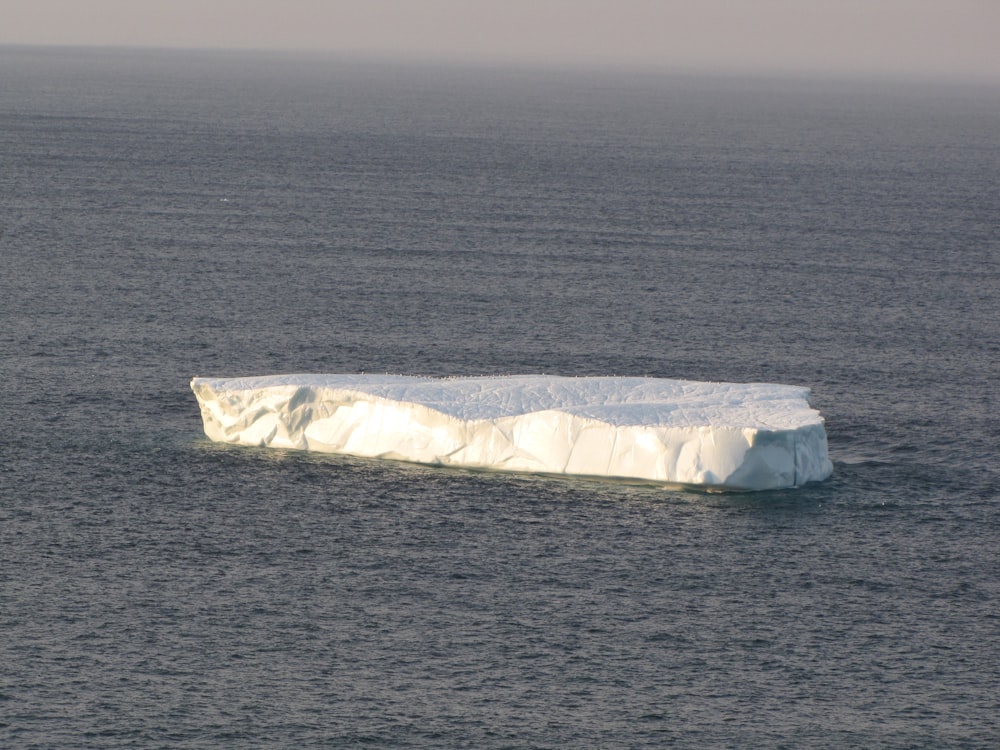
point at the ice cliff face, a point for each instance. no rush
(717, 435)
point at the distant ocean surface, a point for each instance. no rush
(165, 215)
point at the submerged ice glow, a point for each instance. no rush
(721, 435)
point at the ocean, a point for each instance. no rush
(171, 214)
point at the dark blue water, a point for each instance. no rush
(169, 215)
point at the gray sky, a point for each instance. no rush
(949, 38)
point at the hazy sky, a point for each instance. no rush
(912, 37)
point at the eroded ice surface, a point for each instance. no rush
(722, 435)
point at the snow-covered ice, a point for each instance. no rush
(748, 436)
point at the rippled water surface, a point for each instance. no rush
(170, 215)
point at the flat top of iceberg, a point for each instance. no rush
(615, 400)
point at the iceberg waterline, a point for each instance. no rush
(740, 436)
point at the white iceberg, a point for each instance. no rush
(750, 436)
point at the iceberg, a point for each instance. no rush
(715, 436)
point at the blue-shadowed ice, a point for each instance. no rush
(741, 436)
